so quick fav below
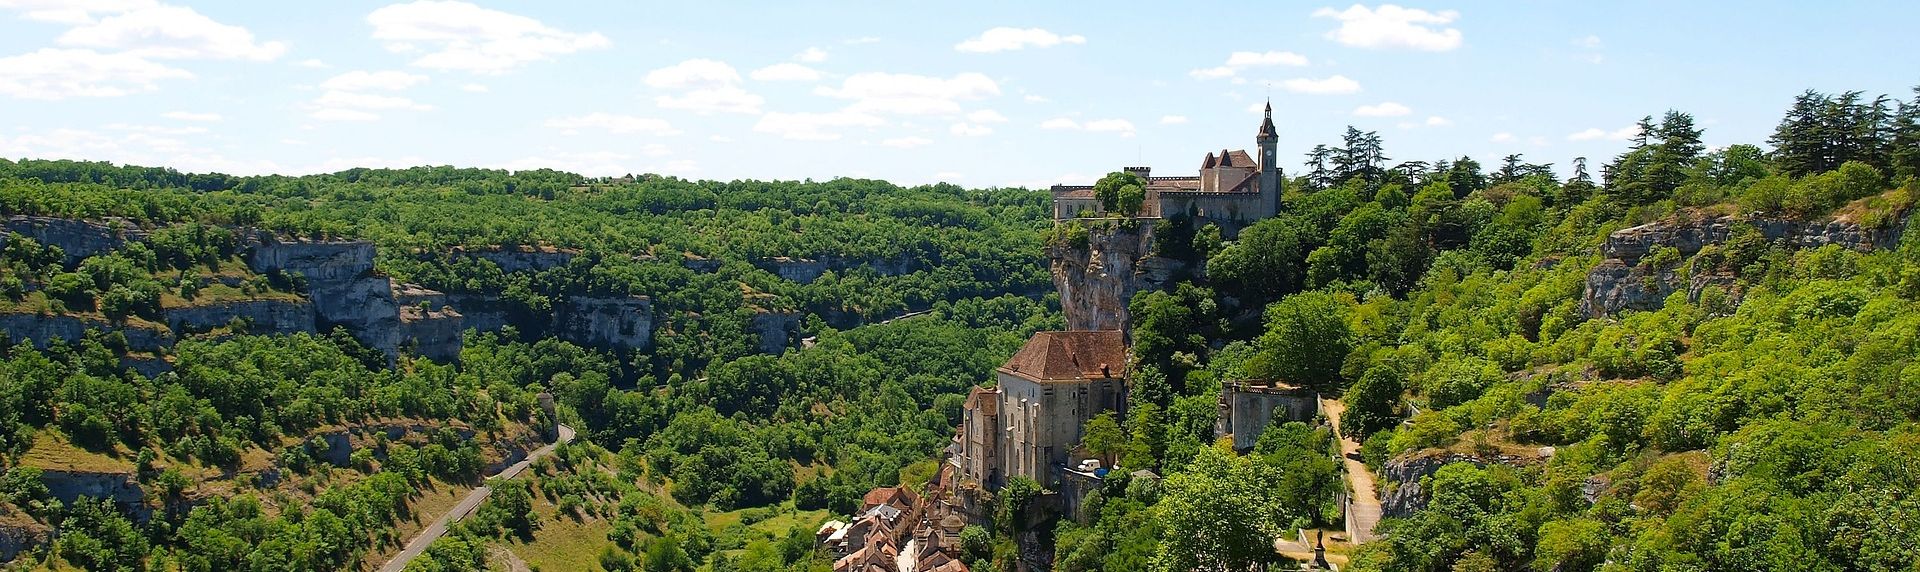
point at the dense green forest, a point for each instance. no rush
(1765, 422)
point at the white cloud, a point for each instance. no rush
(811, 55)
(1173, 119)
(1238, 61)
(1391, 26)
(1006, 39)
(1596, 134)
(786, 71)
(462, 36)
(986, 116)
(970, 130)
(53, 73)
(71, 12)
(907, 94)
(164, 31)
(1121, 126)
(1502, 137)
(813, 126)
(906, 142)
(191, 116)
(1382, 109)
(710, 86)
(861, 40)
(360, 80)
(727, 99)
(475, 88)
(1337, 84)
(351, 100)
(1438, 121)
(314, 63)
(693, 74)
(614, 123)
(156, 129)
(334, 114)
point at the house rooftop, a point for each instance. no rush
(1070, 356)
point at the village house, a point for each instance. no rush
(1027, 424)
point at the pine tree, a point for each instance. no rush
(1318, 177)
(1904, 146)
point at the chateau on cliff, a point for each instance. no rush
(1232, 190)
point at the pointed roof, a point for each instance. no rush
(1070, 356)
(1208, 162)
(1266, 125)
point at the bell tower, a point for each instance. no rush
(1269, 139)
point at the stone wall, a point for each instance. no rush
(77, 238)
(1246, 410)
(1097, 281)
(1622, 282)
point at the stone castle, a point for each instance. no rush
(1232, 190)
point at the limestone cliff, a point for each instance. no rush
(521, 258)
(43, 330)
(775, 330)
(1097, 280)
(1407, 493)
(623, 322)
(78, 239)
(1626, 279)
(268, 316)
(345, 289)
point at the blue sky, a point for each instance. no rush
(979, 94)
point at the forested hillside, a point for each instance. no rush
(1699, 359)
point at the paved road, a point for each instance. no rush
(432, 532)
(1363, 506)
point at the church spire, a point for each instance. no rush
(1266, 125)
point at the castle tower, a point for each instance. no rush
(1269, 140)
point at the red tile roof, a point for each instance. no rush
(1070, 356)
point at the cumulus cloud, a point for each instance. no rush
(1393, 27)
(1438, 121)
(811, 55)
(1121, 126)
(314, 63)
(1382, 109)
(1332, 85)
(1007, 39)
(170, 32)
(191, 116)
(54, 73)
(907, 94)
(613, 123)
(986, 116)
(359, 80)
(1502, 137)
(813, 126)
(1238, 61)
(459, 36)
(707, 86)
(785, 72)
(906, 142)
(970, 130)
(1597, 134)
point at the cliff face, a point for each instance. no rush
(1409, 494)
(520, 259)
(1623, 282)
(775, 330)
(77, 238)
(45, 329)
(1097, 281)
(262, 316)
(342, 284)
(617, 322)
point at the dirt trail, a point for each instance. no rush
(1363, 505)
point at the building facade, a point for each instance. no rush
(1232, 189)
(1030, 422)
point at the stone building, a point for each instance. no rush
(1248, 407)
(1027, 425)
(1231, 190)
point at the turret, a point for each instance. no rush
(1269, 140)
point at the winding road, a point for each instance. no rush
(420, 541)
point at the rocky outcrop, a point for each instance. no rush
(435, 332)
(622, 322)
(1098, 279)
(342, 284)
(802, 270)
(1626, 279)
(43, 330)
(807, 270)
(521, 258)
(78, 239)
(775, 330)
(20, 533)
(69, 486)
(1409, 493)
(258, 316)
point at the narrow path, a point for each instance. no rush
(1363, 505)
(419, 543)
